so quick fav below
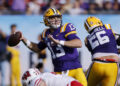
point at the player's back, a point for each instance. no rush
(52, 80)
(102, 42)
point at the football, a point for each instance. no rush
(14, 39)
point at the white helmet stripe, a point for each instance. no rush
(87, 23)
(54, 10)
(89, 28)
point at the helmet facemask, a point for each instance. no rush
(55, 21)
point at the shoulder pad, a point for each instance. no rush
(108, 26)
(44, 33)
(63, 28)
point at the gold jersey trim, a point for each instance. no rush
(72, 32)
(63, 28)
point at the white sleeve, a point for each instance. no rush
(117, 36)
(52, 80)
(57, 80)
(35, 82)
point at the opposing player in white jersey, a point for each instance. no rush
(33, 77)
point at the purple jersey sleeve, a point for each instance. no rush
(70, 32)
(41, 45)
(87, 44)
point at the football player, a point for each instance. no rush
(102, 43)
(62, 42)
(32, 77)
(15, 61)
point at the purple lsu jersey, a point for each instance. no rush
(64, 58)
(102, 40)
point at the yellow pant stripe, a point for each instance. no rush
(88, 71)
(116, 83)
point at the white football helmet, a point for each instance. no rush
(29, 75)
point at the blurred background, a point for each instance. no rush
(27, 16)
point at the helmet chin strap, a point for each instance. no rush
(55, 26)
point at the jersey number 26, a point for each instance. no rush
(97, 39)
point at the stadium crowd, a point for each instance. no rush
(73, 7)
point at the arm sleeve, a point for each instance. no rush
(41, 45)
(117, 36)
(87, 44)
(70, 32)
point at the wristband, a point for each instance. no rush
(28, 43)
(62, 43)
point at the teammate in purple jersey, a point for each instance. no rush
(62, 42)
(102, 43)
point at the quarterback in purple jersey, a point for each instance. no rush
(102, 43)
(62, 42)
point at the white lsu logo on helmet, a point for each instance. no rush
(29, 75)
